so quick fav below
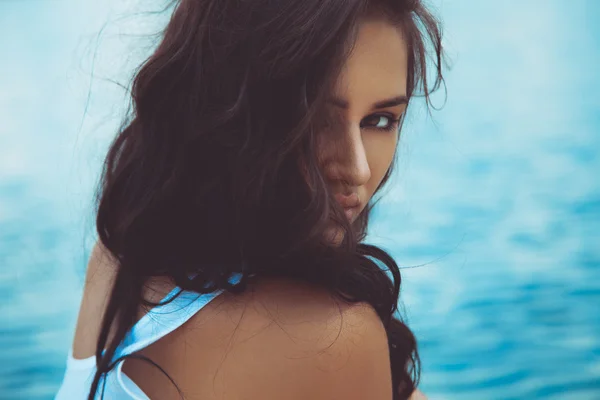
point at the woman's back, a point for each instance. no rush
(278, 339)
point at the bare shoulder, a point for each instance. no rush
(296, 341)
(100, 274)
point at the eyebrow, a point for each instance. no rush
(393, 102)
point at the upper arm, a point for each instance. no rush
(345, 358)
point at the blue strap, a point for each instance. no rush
(164, 319)
(157, 323)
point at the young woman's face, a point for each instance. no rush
(356, 150)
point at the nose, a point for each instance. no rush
(352, 161)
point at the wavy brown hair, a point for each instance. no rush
(214, 171)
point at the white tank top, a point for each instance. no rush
(157, 323)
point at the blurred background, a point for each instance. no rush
(494, 211)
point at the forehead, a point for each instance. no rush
(377, 66)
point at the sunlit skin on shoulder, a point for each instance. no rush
(279, 339)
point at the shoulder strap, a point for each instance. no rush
(157, 323)
(162, 320)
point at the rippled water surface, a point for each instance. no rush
(494, 210)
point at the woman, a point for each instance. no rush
(237, 196)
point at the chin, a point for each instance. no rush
(334, 235)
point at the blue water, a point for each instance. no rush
(496, 200)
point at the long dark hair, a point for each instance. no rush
(215, 172)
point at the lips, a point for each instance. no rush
(348, 201)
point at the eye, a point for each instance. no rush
(383, 122)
